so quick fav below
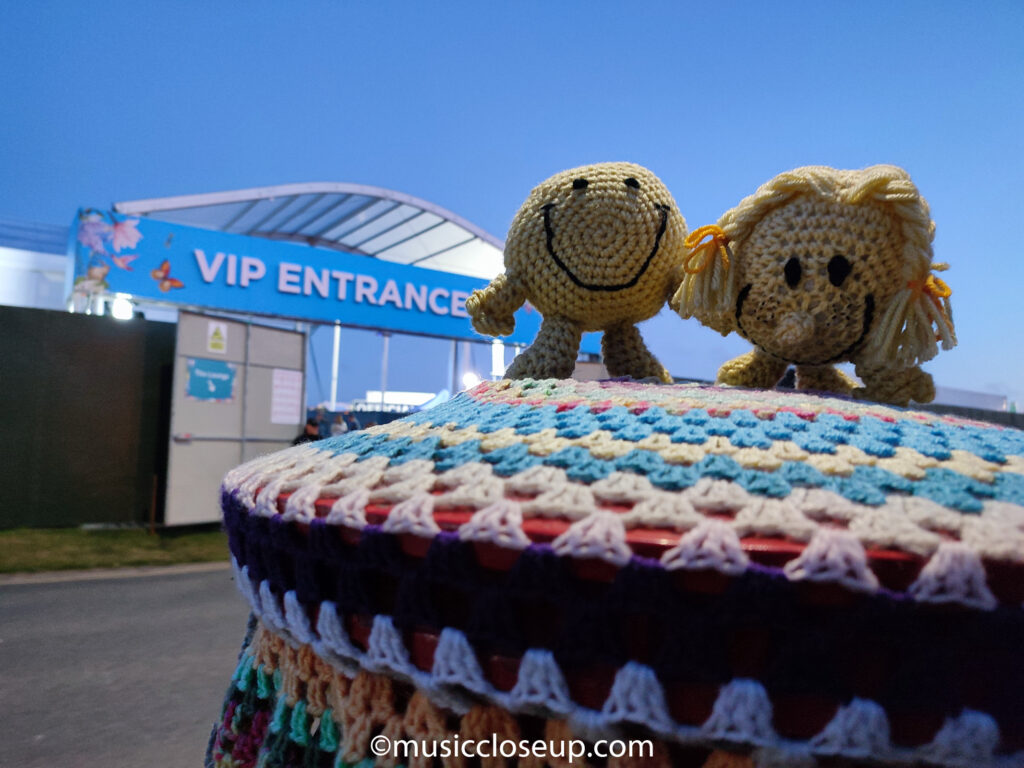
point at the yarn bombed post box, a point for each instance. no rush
(743, 578)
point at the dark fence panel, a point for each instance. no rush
(84, 405)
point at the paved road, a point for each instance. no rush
(108, 672)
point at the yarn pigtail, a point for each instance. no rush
(708, 287)
(915, 322)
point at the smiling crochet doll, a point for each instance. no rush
(821, 266)
(595, 248)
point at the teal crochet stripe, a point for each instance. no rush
(260, 729)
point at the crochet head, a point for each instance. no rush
(811, 276)
(599, 244)
(828, 266)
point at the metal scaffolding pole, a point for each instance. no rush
(335, 363)
(384, 370)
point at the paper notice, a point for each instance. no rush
(286, 397)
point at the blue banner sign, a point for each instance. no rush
(205, 268)
(210, 380)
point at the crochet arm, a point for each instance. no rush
(493, 308)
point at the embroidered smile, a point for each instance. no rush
(550, 236)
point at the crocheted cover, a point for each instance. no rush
(780, 572)
(287, 706)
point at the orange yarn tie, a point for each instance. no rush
(934, 287)
(706, 250)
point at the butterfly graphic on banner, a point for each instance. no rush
(162, 275)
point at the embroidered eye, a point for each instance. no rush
(838, 269)
(793, 272)
(580, 184)
(631, 182)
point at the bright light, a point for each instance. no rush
(121, 308)
(470, 380)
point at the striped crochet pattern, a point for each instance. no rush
(288, 707)
(778, 573)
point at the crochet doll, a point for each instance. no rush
(821, 266)
(596, 248)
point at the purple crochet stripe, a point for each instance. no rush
(540, 603)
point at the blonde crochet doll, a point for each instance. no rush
(821, 266)
(596, 248)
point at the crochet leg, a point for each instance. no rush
(823, 378)
(754, 369)
(625, 354)
(895, 386)
(552, 354)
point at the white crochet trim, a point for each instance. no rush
(1004, 513)
(349, 510)
(244, 584)
(966, 741)
(859, 729)
(601, 535)
(637, 697)
(301, 504)
(712, 544)
(741, 714)
(773, 517)
(478, 495)
(402, 490)
(408, 470)
(466, 474)
(455, 663)
(273, 616)
(296, 619)
(246, 479)
(622, 488)
(415, 516)
(990, 538)
(885, 527)
(536, 480)
(386, 651)
(822, 505)
(540, 686)
(570, 501)
(926, 513)
(662, 509)
(954, 575)
(717, 496)
(334, 644)
(836, 557)
(500, 523)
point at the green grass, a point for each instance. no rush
(27, 550)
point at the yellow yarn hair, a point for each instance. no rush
(909, 326)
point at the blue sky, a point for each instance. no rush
(470, 105)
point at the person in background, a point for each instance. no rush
(323, 422)
(309, 433)
(339, 427)
(350, 420)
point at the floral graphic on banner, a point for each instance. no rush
(102, 236)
